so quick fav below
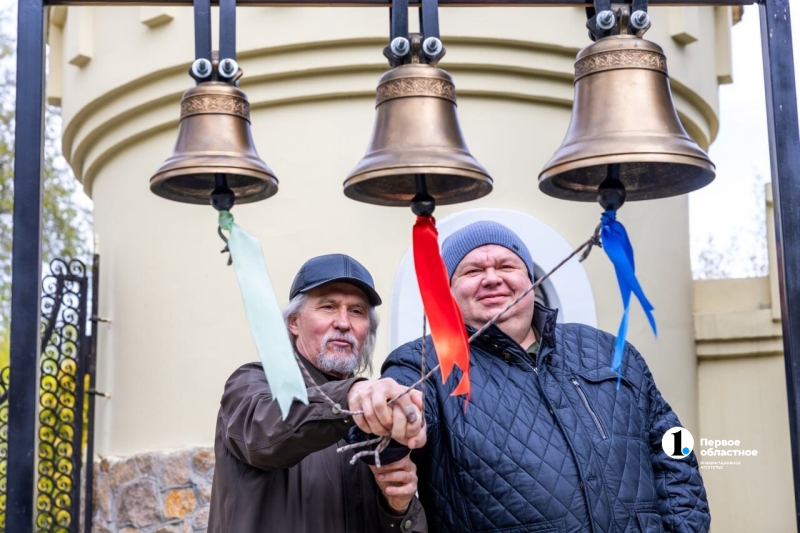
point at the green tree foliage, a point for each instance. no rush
(65, 221)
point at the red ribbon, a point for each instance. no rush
(444, 316)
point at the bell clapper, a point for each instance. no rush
(611, 192)
(423, 203)
(222, 199)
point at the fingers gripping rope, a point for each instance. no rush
(384, 441)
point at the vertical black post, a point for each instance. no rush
(91, 369)
(202, 29)
(398, 16)
(227, 29)
(784, 148)
(26, 265)
(429, 19)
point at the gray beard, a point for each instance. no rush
(338, 362)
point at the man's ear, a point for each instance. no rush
(293, 328)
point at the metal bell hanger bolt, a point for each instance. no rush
(201, 69)
(604, 21)
(400, 47)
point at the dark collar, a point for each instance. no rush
(544, 321)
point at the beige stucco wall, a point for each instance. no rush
(178, 325)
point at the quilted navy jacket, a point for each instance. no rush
(550, 445)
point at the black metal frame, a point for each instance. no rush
(91, 370)
(784, 139)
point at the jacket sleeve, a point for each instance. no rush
(254, 432)
(414, 521)
(682, 497)
(404, 365)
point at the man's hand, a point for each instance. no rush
(398, 483)
(402, 420)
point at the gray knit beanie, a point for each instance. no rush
(459, 244)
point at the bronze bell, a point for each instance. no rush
(416, 133)
(214, 141)
(623, 115)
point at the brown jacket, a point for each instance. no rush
(276, 475)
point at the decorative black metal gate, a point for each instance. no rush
(66, 376)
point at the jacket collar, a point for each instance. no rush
(544, 321)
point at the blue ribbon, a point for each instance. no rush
(620, 252)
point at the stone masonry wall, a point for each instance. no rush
(165, 492)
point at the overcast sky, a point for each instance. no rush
(728, 206)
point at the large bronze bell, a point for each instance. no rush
(623, 117)
(214, 141)
(416, 133)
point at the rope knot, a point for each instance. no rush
(226, 220)
(608, 217)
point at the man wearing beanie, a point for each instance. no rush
(547, 443)
(285, 475)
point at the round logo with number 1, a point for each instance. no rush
(677, 442)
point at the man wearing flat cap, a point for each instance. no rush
(276, 475)
(550, 440)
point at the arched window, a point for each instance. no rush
(568, 290)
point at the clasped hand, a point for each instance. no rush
(401, 419)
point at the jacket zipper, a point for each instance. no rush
(589, 408)
(530, 365)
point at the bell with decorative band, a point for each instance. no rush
(416, 134)
(624, 123)
(214, 146)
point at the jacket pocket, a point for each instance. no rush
(592, 413)
(649, 522)
(617, 410)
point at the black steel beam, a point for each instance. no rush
(784, 151)
(202, 29)
(386, 3)
(26, 265)
(91, 369)
(429, 19)
(227, 29)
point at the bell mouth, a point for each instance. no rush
(645, 176)
(396, 187)
(194, 185)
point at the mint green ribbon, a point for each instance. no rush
(264, 316)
